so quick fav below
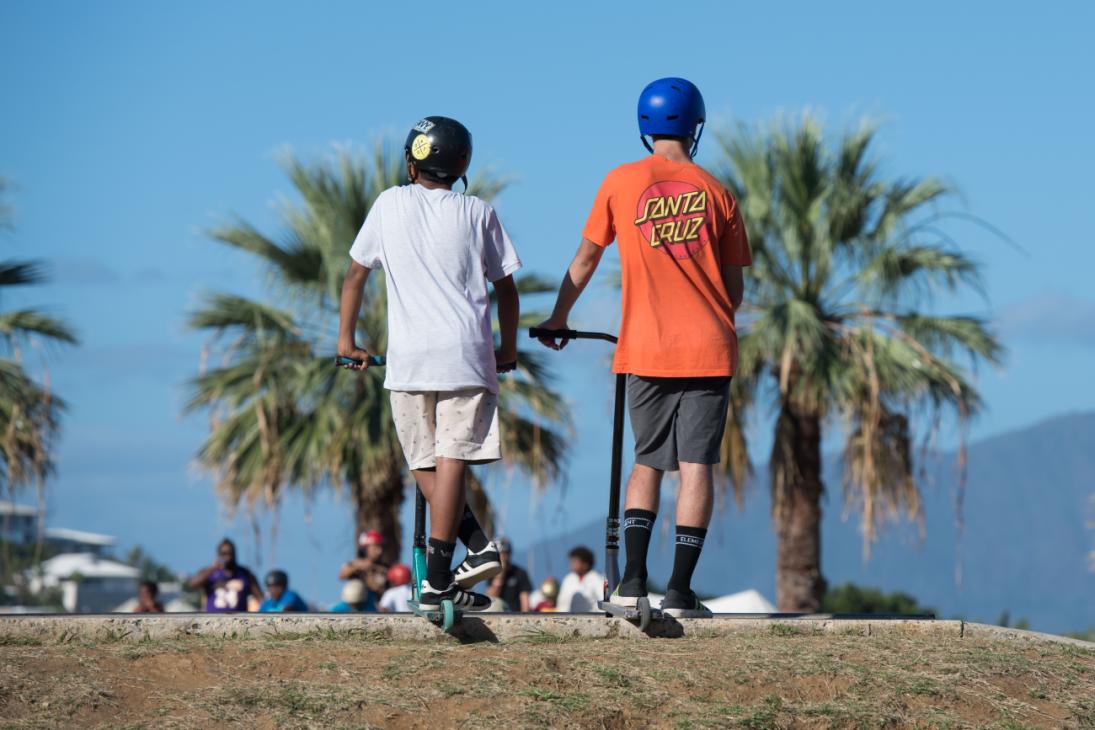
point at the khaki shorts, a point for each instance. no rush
(461, 424)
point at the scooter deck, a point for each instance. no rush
(641, 613)
(446, 617)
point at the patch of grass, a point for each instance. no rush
(17, 640)
(612, 676)
(394, 670)
(765, 715)
(792, 630)
(570, 702)
(538, 635)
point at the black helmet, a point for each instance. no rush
(441, 147)
(277, 578)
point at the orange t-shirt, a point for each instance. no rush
(677, 226)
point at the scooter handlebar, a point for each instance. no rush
(374, 361)
(538, 332)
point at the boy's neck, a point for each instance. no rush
(671, 150)
(431, 185)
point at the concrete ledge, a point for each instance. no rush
(491, 627)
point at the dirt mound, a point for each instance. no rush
(766, 679)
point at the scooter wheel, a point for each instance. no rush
(448, 615)
(643, 604)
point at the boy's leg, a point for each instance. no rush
(700, 424)
(640, 511)
(694, 504)
(446, 500)
(652, 406)
(466, 433)
(469, 531)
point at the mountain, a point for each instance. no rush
(1025, 548)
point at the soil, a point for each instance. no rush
(763, 680)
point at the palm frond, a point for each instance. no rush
(25, 323)
(22, 273)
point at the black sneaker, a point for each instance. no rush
(628, 593)
(684, 605)
(431, 598)
(479, 566)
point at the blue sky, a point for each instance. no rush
(129, 128)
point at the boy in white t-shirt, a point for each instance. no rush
(439, 249)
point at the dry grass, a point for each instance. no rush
(775, 679)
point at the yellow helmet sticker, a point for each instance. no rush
(420, 148)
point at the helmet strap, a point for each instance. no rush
(464, 179)
(696, 141)
(646, 144)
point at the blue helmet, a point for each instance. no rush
(672, 106)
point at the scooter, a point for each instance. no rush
(642, 613)
(448, 616)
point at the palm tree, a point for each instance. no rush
(29, 411)
(281, 414)
(839, 327)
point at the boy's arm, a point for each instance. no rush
(350, 308)
(734, 279)
(578, 275)
(509, 312)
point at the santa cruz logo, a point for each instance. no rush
(673, 215)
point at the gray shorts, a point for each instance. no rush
(677, 419)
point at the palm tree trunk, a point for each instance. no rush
(799, 583)
(377, 502)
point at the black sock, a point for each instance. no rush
(470, 533)
(638, 524)
(689, 545)
(439, 563)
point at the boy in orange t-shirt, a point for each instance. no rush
(682, 249)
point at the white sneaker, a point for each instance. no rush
(430, 599)
(479, 566)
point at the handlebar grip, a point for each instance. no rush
(537, 332)
(374, 361)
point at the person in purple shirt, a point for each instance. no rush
(226, 584)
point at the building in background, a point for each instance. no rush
(18, 523)
(64, 540)
(88, 583)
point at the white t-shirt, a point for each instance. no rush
(395, 599)
(580, 595)
(438, 249)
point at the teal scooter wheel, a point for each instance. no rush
(448, 615)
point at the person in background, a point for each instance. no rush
(583, 587)
(281, 600)
(395, 599)
(226, 584)
(376, 580)
(370, 547)
(147, 602)
(512, 585)
(356, 598)
(546, 596)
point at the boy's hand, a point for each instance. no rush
(554, 323)
(505, 360)
(356, 353)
